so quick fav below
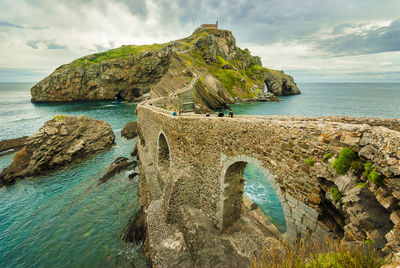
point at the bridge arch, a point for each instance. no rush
(163, 153)
(232, 182)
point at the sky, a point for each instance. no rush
(312, 40)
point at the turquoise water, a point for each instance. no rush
(357, 99)
(66, 220)
(260, 191)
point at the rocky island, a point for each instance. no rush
(60, 141)
(227, 73)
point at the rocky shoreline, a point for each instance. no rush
(59, 142)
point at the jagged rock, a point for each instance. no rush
(280, 84)
(120, 164)
(134, 151)
(59, 142)
(130, 130)
(136, 229)
(17, 143)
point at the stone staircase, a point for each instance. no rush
(187, 100)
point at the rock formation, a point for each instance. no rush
(132, 72)
(12, 144)
(129, 130)
(59, 142)
(119, 164)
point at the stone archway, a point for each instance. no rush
(163, 155)
(232, 188)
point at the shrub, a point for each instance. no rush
(357, 167)
(310, 253)
(343, 162)
(310, 162)
(375, 177)
(337, 195)
(368, 168)
(327, 156)
(362, 185)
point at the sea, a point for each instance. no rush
(65, 219)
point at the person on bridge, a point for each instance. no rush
(230, 113)
(221, 114)
(174, 113)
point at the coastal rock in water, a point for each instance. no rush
(120, 164)
(17, 143)
(89, 78)
(130, 130)
(59, 142)
(280, 84)
(136, 229)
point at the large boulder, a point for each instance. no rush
(280, 84)
(130, 130)
(60, 141)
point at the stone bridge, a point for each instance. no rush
(198, 162)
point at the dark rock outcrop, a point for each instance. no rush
(12, 144)
(130, 130)
(59, 142)
(120, 164)
(280, 84)
(136, 229)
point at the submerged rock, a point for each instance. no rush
(12, 144)
(130, 130)
(59, 142)
(120, 164)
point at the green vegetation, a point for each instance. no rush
(327, 156)
(337, 195)
(310, 162)
(357, 167)
(368, 168)
(343, 162)
(59, 117)
(362, 185)
(123, 52)
(371, 174)
(375, 177)
(308, 253)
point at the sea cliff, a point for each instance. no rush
(226, 72)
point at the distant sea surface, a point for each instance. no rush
(65, 219)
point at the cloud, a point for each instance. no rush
(377, 40)
(46, 43)
(8, 24)
(306, 37)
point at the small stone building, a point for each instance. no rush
(210, 26)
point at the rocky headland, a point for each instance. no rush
(226, 73)
(59, 142)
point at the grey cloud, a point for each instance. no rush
(8, 24)
(33, 44)
(48, 43)
(383, 39)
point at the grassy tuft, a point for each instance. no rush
(343, 162)
(375, 177)
(337, 195)
(309, 253)
(59, 117)
(362, 185)
(310, 162)
(327, 156)
(357, 167)
(368, 168)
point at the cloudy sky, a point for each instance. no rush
(314, 40)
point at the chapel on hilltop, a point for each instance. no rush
(210, 26)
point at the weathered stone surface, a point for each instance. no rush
(280, 84)
(50, 147)
(12, 144)
(130, 130)
(136, 229)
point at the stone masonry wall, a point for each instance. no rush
(202, 148)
